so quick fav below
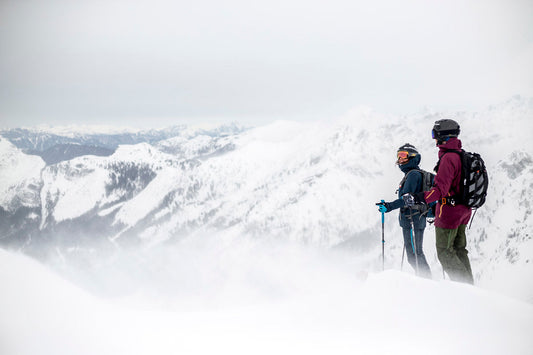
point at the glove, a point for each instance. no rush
(420, 197)
(431, 211)
(384, 207)
(408, 200)
(413, 199)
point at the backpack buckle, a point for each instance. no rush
(448, 201)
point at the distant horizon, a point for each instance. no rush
(207, 123)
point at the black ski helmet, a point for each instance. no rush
(411, 153)
(444, 129)
(409, 148)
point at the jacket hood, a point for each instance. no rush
(451, 144)
(410, 165)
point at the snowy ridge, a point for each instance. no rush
(80, 185)
(41, 138)
(80, 130)
(261, 186)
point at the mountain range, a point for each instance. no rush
(313, 183)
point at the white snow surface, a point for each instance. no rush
(277, 301)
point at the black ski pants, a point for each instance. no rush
(420, 259)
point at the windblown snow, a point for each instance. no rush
(269, 305)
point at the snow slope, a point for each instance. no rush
(73, 188)
(19, 177)
(315, 307)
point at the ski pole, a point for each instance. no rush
(414, 249)
(383, 239)
(413, 244)
(403, 256)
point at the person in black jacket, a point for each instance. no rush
(408, 161)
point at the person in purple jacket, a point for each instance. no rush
(450, 218)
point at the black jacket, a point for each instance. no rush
(412, 185)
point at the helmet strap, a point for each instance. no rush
(442, 140)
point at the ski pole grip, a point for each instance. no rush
(382, 214)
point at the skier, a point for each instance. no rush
(408, 159)
(450, 218)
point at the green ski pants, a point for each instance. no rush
(452, 253)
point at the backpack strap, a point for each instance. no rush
(405, 177)
(455, 199)
(436, 168)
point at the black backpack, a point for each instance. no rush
(427, 179)
(474, 180)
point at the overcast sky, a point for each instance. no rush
(157, 62)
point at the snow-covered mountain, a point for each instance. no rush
(310, 183)
(57, 144)
(20, 173)
(63, 152)
(41, 138)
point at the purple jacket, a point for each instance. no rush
(447, 183)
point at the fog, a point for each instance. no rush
(211, 271)
(163, 62)
(240, 297)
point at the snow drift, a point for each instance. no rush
(328, 309)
